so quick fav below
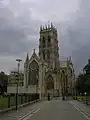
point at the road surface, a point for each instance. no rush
(47, 110)
(56, 110)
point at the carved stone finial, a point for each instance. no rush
(48, 24)
(46, 27)
(70, 59)
(27, 57)
(51, 25)
(33, 50)
(41, 28)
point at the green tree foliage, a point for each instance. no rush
(87, 68)
(83, 80)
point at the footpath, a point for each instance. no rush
(81, 106)
(22, 111)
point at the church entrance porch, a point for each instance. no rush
(49, 86)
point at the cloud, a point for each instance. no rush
(17, 35)
(75, 35)
(19, 28)
(16, 31)
(79, 35)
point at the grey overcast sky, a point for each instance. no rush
(19, 29)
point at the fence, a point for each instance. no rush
(9, 100)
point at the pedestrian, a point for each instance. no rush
(48, 96)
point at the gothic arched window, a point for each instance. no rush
(43, 42)
(33, 73)
(48, 54)
(49, 40)
(43, 55)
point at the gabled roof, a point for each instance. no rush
(34, 57)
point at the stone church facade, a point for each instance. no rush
(42, 71)
(45, 73)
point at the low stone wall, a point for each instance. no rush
(20, 106)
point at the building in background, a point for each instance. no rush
(12, 78)
(67, 76)
(3, 82)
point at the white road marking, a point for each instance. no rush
(26, 118)
(80, 112)
(36, 110)
(85, 113)
(28, 115)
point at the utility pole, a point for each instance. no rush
(18, 60)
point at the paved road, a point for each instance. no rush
(47, 110)
(56, 110)
(81, 106)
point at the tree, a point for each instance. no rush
(83, 80)
(3, 82)
(80, 83)
(87, 68)
(87, 72)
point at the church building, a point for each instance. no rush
(42, 71)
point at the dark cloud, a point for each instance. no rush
(78, 35)
(81, 56)
(20, 22)
(10, 41)
(17, 30)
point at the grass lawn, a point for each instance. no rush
(3, 102)
(82, 97)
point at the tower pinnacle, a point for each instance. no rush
(27, 57)
(33, 50)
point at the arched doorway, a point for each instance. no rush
(49, 85)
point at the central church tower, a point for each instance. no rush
(43, 72)
(48, 46)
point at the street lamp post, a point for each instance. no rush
(18, 60)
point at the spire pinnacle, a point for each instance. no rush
(46, 27)
(33, 50)
(48, 24)
(27, 57)
(41, 28)
(70, 59)
(51, 25)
